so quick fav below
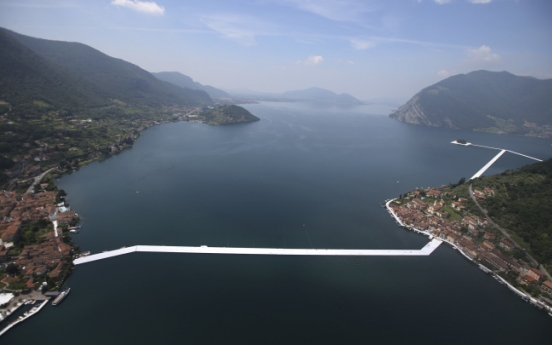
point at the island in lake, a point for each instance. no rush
(226, 115)
(501, 222)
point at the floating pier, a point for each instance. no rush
(488, 165)
(425, 251)
(495, 158)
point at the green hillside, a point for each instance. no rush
(497, 102)
(522, 203)
(27, 79)
(118, 79)
(66, 104)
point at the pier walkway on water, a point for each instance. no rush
(495, 158)
(425, 251)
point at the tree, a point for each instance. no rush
(12, 269)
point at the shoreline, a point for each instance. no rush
(25, 316)
(498, 278)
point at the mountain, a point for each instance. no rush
(320, 95)
(182, 80)
(113, 78)
(497, 102)
(26, 77)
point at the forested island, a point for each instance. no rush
(227, 114)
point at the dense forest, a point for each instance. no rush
(523, 204)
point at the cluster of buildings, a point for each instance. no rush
(538, 130)
(443, 215)
(51, 254)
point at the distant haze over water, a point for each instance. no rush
(304, 176)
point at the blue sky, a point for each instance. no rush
(369, 49)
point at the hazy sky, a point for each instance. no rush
(366, 48)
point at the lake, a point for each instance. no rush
(305, 176)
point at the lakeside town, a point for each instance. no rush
(440, 213)
(36, 249)
(35, 246)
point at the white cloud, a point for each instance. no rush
(312, 60)
(149, 7)
(442, 2)
(362, 44)
(483, 54)
(338, 10)
(239, 28)
(475, 58)
(444, 73)
(350, 62)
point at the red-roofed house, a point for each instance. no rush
(547, 287)
(489, 236)
(11, 232)
(478, 194)
(535, 273)
(507, 245)
(526, 280)
(434, 193)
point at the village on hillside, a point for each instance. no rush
(35, 247)
(446, 216)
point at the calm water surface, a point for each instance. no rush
(303, 176)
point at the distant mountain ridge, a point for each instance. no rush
(497, 102)
(78, 71)
(182, 80)
(320, 95)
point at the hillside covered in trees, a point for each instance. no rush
(497, 102)
(65, 104)
(522, 203)
(98, 78)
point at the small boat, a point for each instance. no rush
(61, 296)
(484, 269)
